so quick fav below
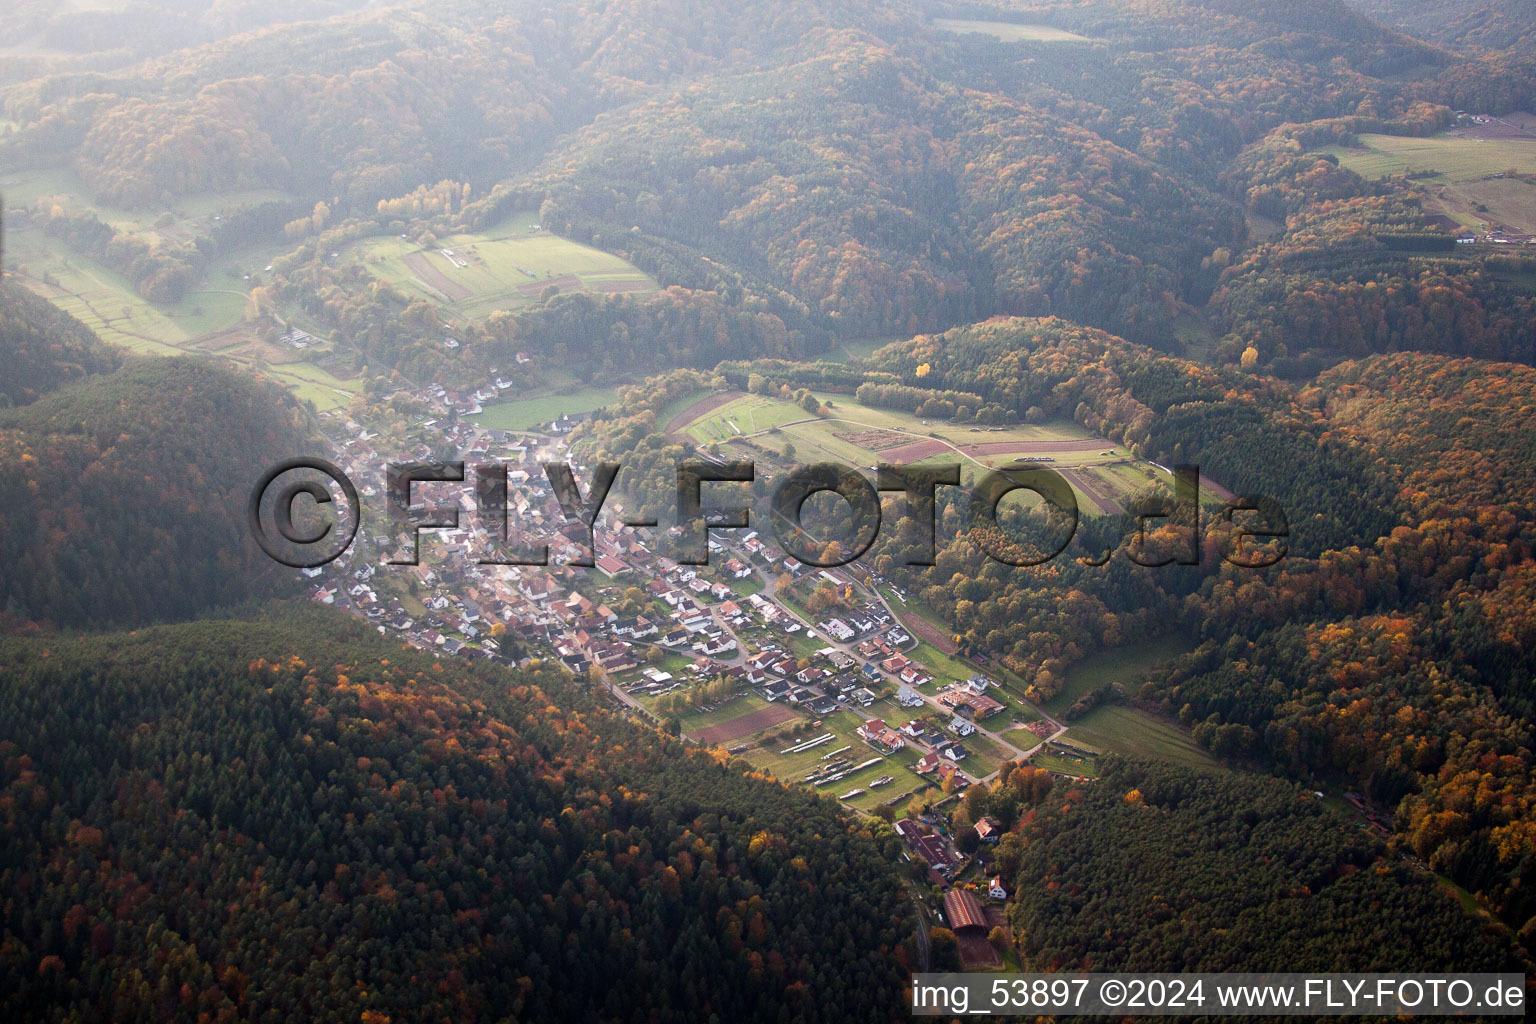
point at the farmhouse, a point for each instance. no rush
(970, 705)
(932, 850)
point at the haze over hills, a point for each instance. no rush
(1291, 243)
(1460, 24)
(125, 494)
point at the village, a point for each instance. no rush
(848, 702)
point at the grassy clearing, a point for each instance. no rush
(742, 704)
(847, 415)
(1454, 158)
(1502, 202)
(1022, 738)
(100, 298)
(747, 587)
(508, 266)
(677, 405)
(858, 348)
(1129, 476)
(312, 384)
(186, 218)
(1115, 665)
(1463, 185)
(983, 756)
(945, 667)
(1009, 32)
(1066, 764)
(527, 413)
(1117, 729)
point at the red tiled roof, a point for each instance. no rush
(963, 910)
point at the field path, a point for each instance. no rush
(1084, 444)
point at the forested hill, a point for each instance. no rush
(122, 495)
(1156, 868)
(1316, 28)
(42, 347)
(56, 37)
(293, 819)
(796, 172)
(1460, 24)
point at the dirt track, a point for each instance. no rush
(919, 450)
(1207, 484)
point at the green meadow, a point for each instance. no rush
(527, 413)
(1453, 157)
(508, 266)
(1116, 729)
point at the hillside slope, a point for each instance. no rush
(123, 495)
(294, 819)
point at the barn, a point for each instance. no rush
(964, 912)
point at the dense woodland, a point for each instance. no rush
(43, 348)
(1151, 868)
(122, 496)
(292, 818)
(1462, 25)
